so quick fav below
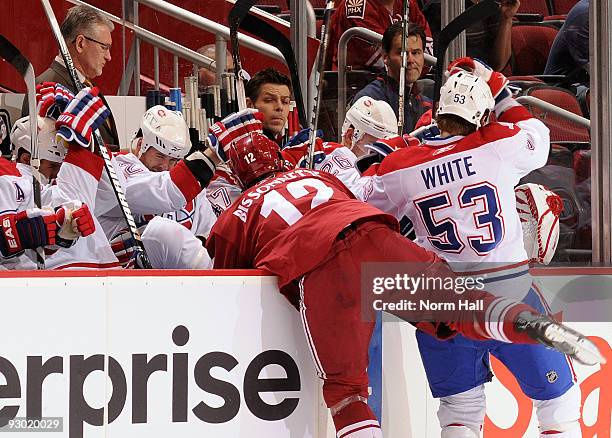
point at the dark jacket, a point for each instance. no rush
(387, 89)
(58, 73)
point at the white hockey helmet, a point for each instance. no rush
(166, 131)
(49, 148)
(467, 96)
(370, 116)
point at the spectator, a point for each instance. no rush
(88, 37)
(489, 40)
(569, 54)
(386, 87)
(375, 15)
(269, 91)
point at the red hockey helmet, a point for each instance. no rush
(253, 157)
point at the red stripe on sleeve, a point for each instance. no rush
(185, 181)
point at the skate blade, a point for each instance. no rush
(574, 344)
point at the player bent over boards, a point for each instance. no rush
(276, 226)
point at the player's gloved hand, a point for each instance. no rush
(124, 246)
(200, 166)
(233, 128)
(129, 254)
(73, 220)
(83, 115)
(559, 337)
(29, 229)
(52, 99)
(497, 81)
(301, 138)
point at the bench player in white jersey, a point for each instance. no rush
(158, 182)
(23, 227)
(65, 175)
(458, 190)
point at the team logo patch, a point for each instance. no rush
(355, 8)
(530, 145)
(19, 195)
(552, 376)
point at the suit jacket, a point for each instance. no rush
(58, 73)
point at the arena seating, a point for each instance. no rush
(561, 130)
(531, 45)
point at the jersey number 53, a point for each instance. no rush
(443, 232)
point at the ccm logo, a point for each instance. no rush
(8, 233)
(156, 366)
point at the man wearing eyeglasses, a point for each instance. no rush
(89, 40)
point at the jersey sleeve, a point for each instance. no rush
(150, 192)
(529, 148)
(77, 178)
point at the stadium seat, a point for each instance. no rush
(562, 6)
(561, 130)
(534, 7)
(530, 48)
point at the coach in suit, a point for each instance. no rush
(88, 37)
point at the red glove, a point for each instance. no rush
(497, 81)
(74, 220)
(83, 115)
(29, 229)
(52, 99)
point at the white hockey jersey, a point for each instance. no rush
(175, 194)
(16, 194)
(78, 179)
(459, 191)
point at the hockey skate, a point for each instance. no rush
(559, 337)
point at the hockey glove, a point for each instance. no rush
(233, 128)
(29, 229)
(126, 250)
(73, 220)
(201, 167)
(83, 115)
(52, 99)
(301, 138)
(559, 337)
(124, 246)
(497, 81)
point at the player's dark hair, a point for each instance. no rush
(396, 29)
(454, 125)
(266, 76)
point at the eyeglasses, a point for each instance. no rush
(105, 47)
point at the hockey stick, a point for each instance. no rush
(473, 14)
(402, 77)
(110, 170)
(239, 11)
(314, 121)
(13, 56)
(271, 35)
